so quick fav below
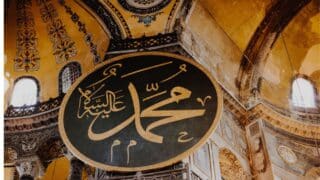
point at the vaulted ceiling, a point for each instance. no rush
(249, 45)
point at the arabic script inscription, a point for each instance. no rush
(146, 104)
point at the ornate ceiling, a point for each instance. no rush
(57, 33)
(253, 48)
(43, 36)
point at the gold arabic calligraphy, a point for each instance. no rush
(168, 116)
(103, 105)
(94, 107)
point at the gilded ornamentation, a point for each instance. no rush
(64, 50)
(313, 173)
(57, 30)
(63, 46)
(48, 12)
(27, 55)
(10, 155)
(82, 28)
(230, 166)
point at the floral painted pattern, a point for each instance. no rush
(63, 46)
(27, 56)
(82, 28)
(64, 50)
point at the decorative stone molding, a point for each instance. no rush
(129, 44)
(31, 124)
(276, 119)
(288, 124)
(27, 143)
(310, 117)
(287, 154)
(236, 108)
(33, 110)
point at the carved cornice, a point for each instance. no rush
(236, 108)
(33, 123)
(289, 136)
(30, 118)
(144, 42)
(309, 117)
(283, 121)
(287, 124)
(33, 110)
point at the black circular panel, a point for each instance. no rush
(140, 111)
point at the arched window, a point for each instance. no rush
(68, 75)
(25, 92)
(303, 93)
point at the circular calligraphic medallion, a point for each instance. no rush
(140, 111)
